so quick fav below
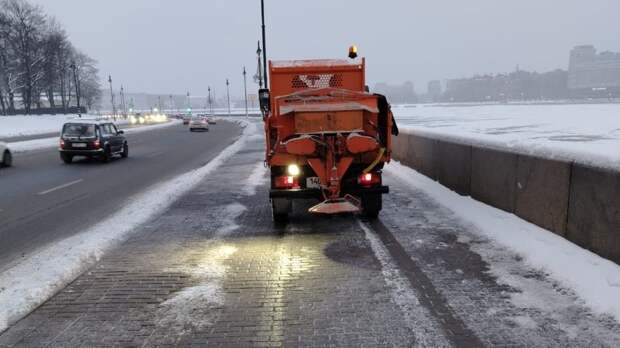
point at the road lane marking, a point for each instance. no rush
(60, 187)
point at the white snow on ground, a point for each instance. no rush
(594, 279)
(36, 144)
(31, 281)
(193, 306)
(12, 126)
(256, 178)
(427, 331)
(586, 133)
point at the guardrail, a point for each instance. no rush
(578, 202)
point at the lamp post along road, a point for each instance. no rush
(123, 107)
(112, 97)
(77, 88)
(258, 78)
(210, 102)
(262, 11)
(228, 95)
(245, 91)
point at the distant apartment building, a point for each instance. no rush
(592, 74)
(434, 90)
(397, 94)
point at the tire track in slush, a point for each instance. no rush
(454, 329)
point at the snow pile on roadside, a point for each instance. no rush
(587, 133)
(13, 126)
(593, 278)
(33, 280)
(36, 144)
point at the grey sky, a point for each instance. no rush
(165, 46)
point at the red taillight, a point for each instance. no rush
(96, 144)
(368, 179)
(62, 143)
(286, 182)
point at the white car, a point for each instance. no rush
(198, 123)
(6, 159)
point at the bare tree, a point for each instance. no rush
(35, 60)
(88, 79)
(26, 24)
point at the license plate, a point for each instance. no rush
(313, 182)
(78, 145)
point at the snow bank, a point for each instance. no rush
(31, 281)
(13, 126)
(593, 278)
(36, 144)
(586, 133)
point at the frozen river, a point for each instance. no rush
(587, 133)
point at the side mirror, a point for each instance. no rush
(121, 132)
(264, 99)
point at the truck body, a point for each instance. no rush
(327, 138)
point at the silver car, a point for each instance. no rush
(198, 123)
(6, 158)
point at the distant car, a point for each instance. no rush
(186, 119)
(198, 123)
(211, 120)
(92, 139)
(6, 158)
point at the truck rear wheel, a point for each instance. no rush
(372, 205)
(280, 208)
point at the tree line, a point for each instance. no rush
(37, 61)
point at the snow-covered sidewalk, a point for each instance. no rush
(594, 279)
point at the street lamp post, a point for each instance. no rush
(262, 11)
(112, 96)
(228, 95)
(77, 88)
(123, 101)
(210, 102)
(189, 105)
(245, 90)
(259, 75)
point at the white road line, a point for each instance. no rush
(60, 187)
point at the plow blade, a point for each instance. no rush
(348, 204)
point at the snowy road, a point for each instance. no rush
(213, 270)
(44, 200)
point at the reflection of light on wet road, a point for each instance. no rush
(196, 306)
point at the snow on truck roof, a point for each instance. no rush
(316, 63)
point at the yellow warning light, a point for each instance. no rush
(353, 52)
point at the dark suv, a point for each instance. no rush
(92, 139)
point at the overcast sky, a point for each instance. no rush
(166, 46)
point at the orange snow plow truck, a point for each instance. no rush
(327, 138)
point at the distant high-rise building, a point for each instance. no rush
(434, 90)
(593, 75)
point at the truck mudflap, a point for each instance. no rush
(316, 193)
(350, 203)
(347, 204)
